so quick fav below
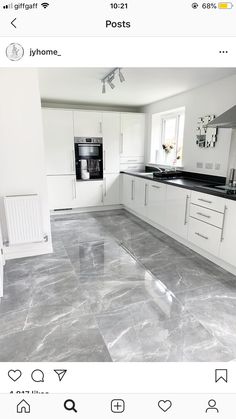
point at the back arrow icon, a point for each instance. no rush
(12, 23)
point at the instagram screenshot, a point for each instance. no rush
(117, 209)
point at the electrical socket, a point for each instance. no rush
(199, 165)
(217, 166)
(209, 166)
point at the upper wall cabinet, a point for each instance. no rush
(87, 124)
(59, 141)
(132, 134)
(111, 138)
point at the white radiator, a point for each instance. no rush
(23, 216)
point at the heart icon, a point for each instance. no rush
(164, 405)
(14, 374)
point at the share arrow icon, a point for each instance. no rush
(61, 374)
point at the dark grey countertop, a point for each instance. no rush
(195, 184)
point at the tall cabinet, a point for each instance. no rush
(59, 155)
(111, 157)
(132, 139)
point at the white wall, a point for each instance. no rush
(22, 168)
(214, 98)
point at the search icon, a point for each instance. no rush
(70, 405)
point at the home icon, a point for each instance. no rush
(23, 407)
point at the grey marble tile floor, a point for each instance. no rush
(116, 289)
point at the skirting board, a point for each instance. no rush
(27, 250)
(86, 209)
(186, 243)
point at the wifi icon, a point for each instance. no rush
(44, 5)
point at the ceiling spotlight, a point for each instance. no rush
(109, 81)
(121, 76)
(110, 77)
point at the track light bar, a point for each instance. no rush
(110, 77)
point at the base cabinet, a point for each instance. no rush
(128, 190)
(227, 250)
(111, 189)
(177, 210)
(156, 203)
(89, 193)
(141, 196)
(61, 191)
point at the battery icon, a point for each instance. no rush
(226, 5)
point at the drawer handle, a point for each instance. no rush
(205, 200)
(223, 224)
(132, 161)
(201, 235)
(156, 187)
(203, 215)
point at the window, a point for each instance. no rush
(167, 137)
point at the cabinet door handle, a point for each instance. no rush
(201, 235)
(205, 200)
(102, 195)
(203, 215)
(105, 187)
(104, 160)
(223, 224)
(132, 190)
(132, 167)
(145, 199)
(100, 127)
(74, 188)
(73, 161)
(156, 187)
(186, 210)
(121, 143)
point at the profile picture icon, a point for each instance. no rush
(14, 52)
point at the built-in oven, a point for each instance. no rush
(88, 158)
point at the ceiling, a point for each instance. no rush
(142, 85)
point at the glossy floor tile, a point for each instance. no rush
(116, 289)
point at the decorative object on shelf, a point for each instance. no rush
(168, 147)
(206, 136)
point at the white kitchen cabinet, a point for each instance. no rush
(227, 251)
(156, 202)
(128, 190)
(204, 235)
(111, 189)
(89, 193)
(132, 135)
(59, 141)
(177, 210)
(141, 192)
(87, 124)
(61, 192)
(111, 142)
